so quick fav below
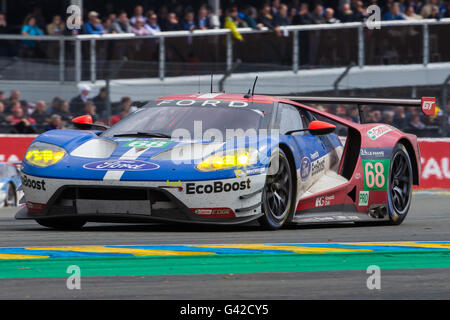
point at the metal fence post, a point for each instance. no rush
(426, 45)
(229, 52)
(62, 62)
(361, 47)
(93, 61)
(162, 58)
(78, 60)
(295, 53)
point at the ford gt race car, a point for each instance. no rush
(225, 159)
(9, 185)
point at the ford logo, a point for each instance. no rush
(121, 165)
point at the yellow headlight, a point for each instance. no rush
(227, 161)
(43, 154)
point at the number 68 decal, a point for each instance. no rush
(376, 173)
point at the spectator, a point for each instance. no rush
(230, 23)
(411, 15)
(304, 17)
(251, 17)
(346, 13)
(40, 115)
(54, 123)
(3, 116)
(29, 47)
(415, 123)
(77, 103)
(281, 18)
(317, 15)
(266, 18)
(292, 13)
(189, 23)
(172, 23)
(141, 28)
(203, 22)
(93, 26)
(100, 102)
(4, 44)
(108, 26)
(360, 13)
(122, 24)
(435, 13)
(90, 109)
(394, 13)
(138, 13)
(125, 111)
(274, 9)
(329, 16)
(427, 9)
(152, 24)
(2, 96)
(400, 120)
(22, 123)
(56, 28)
(63, 111)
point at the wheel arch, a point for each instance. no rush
(288, 152)
(412, 155)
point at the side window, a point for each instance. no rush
(289, 118)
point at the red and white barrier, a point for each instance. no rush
(435, 155)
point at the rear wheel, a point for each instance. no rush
(400, 185)
(278, 196)
(62, 224)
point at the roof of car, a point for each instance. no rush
(221, 96)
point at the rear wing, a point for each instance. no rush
(427, 104)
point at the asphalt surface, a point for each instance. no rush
(428, 220)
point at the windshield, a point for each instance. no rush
(188, 122)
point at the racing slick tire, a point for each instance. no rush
(11, 196)
(278, 196)
(62, 224)
(399, 185)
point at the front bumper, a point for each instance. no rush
(139, 201)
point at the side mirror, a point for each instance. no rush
(86, 123)
(321, 128)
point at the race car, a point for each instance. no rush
(9, 185)
(225, 159)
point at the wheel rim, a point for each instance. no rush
(400, 183)
(11, 199)
(278, 191)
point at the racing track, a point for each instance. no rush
(428, 220)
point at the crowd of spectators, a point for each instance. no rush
(271, 14)
(20, 116)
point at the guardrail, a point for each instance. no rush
(360, 26)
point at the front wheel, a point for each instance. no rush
(278, 196)
(400, 185)
(11, 196)
(62, 224)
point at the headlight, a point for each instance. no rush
(228, 160)
(42, 155)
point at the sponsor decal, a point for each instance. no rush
(376, 173)
(212, 212)
(33, 184)
(242, 173)
(372, 153)
(429, 106)
(363, 199)
(315, 155)
(324, 201)
(305, 168)
(358, 176)
(121, 165)
(147, 144)
(317, 167)
(204, 103)
(217, 187)
(378, 131)
(173, 185)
